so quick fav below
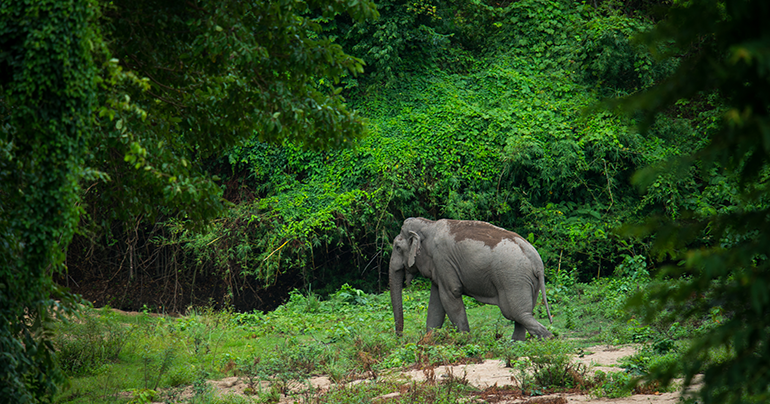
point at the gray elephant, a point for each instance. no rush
(477, 259)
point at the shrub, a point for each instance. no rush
(613, 384)
(401, 356)
(542, 364)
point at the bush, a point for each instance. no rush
(613, 384)
(543, 364)
(400, 357)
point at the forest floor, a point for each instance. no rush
(342, 350)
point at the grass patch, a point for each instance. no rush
(349, 338)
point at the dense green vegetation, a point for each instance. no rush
(47, 96)
(721, 253)
(106, 113)
(490, 127)
(212, 154)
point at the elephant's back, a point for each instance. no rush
(486, 233)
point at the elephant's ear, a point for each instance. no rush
(414, 247)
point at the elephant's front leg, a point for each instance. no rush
(454, 307)
(436, 312)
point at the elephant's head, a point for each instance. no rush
(406, 246)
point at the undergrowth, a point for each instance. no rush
(349, 337)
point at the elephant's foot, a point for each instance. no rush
(536, 329)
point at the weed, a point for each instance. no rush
(661, 354)
(283, 367)
(440, 354)
(543, 364)
(569, 313)
(142, 396)
(180, 375)
(349, 295)
(85, 346)
(232, 398)
(303, 358)
(340, 369)
(153, 374)
(613, 384)
(367, 362)
(271, 395)
(202, 391)
(400, 357)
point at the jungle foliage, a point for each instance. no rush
(490, 127)
(107, 112)
(47, 95)
(149, 118)
(721, 252)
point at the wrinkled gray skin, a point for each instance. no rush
(472, 258)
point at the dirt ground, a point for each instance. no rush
(484, 375)
(494, 372)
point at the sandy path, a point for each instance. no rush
(482, 375)
(491, 372)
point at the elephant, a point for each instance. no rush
(473, 258)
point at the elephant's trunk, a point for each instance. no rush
(396, 287)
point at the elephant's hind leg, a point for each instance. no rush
(529, 323)
(523, 319)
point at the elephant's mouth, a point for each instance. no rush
(410, 274)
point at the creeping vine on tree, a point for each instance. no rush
(108, 111)
(48, 94)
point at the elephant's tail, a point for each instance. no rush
(545, 300)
